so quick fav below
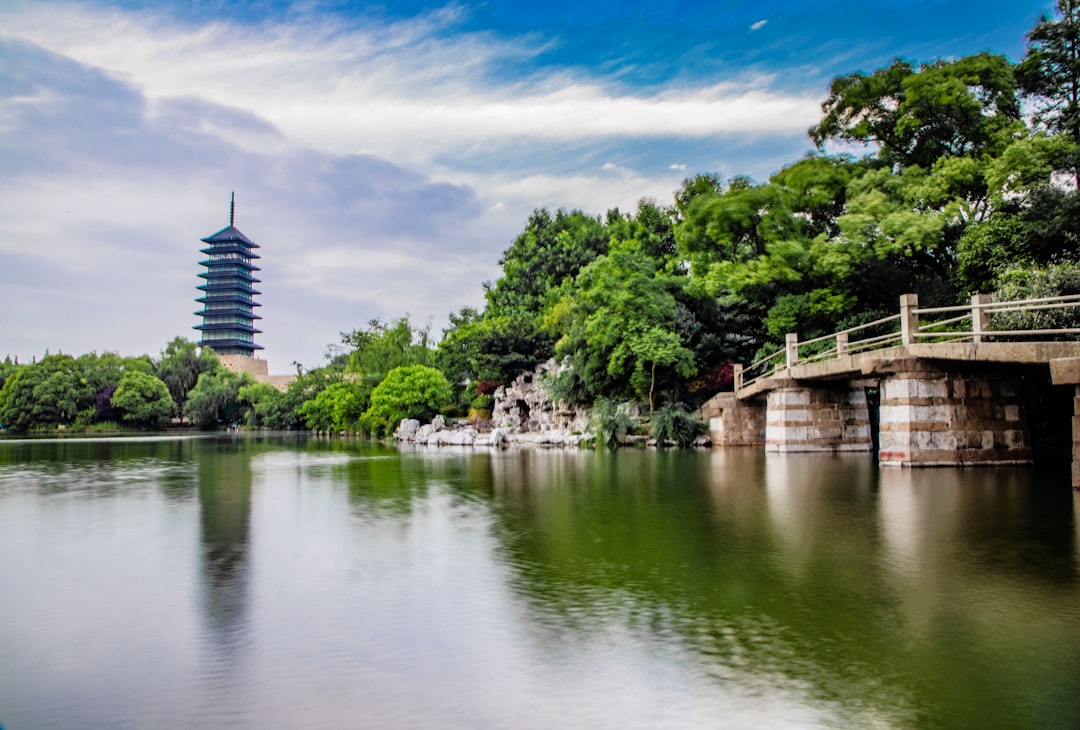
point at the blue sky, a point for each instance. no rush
(384, 154)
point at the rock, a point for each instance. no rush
(406, 430)
(438, 423)
(423, 434)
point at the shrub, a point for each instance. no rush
(610, 423)
(673, 422)
(1029, 283)
(414, 391)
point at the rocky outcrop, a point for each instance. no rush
(523, 414)
(524, 406)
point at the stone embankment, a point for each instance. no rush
(441, 433)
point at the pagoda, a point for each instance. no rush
(228, 316)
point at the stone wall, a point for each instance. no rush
(256, 368)
(253, 366)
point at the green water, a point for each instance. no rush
(298, 583)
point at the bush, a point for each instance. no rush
(414, 391)
(1029, 283)
(482, 403)
(610, 423)
(673, 422)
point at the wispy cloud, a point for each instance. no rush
(758, 25)
(409, 89)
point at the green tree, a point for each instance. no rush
(143, 400)
(415, 391)
(619, 325)
(551, 250)
(1049, 73)
(215, 399)
(263, 404)
(1034, 211)
(180, 365)
(42, 395)
(920, 114)
(7, 369)
(338, 407)
(382, 346)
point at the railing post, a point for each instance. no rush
(792, 349)
(841, 344)
(909, 318)
(980, 318)
(737, 375)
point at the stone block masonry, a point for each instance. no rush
(931, 417)
(824, 417)
(256, 368)
(1066, 371)
(733, 422)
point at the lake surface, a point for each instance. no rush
(274, 582)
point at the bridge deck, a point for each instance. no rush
(899, 358)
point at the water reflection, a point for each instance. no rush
(820, 573)
(340, 584)
(224, 526)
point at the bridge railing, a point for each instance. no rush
(851, 341)
(975, 322)
(961, 323)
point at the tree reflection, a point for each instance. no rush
(894, 596)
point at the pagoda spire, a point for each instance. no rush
(232, 209)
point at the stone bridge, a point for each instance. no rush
(931, 393)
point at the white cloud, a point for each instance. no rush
(677, 166)
(405, 90)
(758, 25)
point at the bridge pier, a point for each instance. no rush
(822, 417)
(1066, 371)
(733, 422)
(935, 417)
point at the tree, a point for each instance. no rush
(415, 391)
(618, 326)
(7, 369)
(1034, 211)
(215, 399)
(101, 375)
(384, 346)
(338, 407)
(1049, 73)
(180, 366)
(551, 250)
(42, 395)
(918, 114)
(143, 400)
